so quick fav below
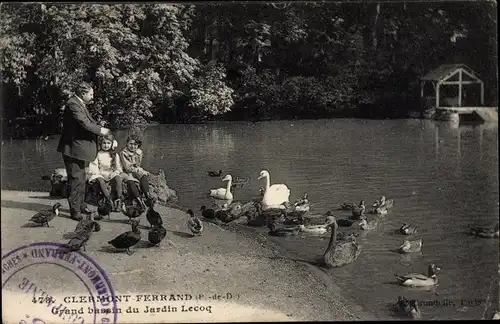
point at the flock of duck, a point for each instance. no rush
(283, 218)
(87, 226)
(342, 247)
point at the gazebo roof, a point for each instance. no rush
(447, 70)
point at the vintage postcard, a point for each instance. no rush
(249, 161)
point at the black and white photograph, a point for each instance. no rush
(245, 161)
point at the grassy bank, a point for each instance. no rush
(271, 286)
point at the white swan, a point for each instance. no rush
(223, 193)
(275, 195)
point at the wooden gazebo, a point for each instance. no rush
(461, 86)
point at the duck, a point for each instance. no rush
(194, 223)
(207, 212)
(275, 195)
(340, 253)
(132, 211)
(224, 215)
(407, 229)
(297, 212)
(302, 200)
(156, 234)
(153, 217)
(252, 210)
(347, 206)
(387, 203)
(229, 212)
(341, 236)
(313, 229)
(285, 231)
(223, 193)
(43, 217)
(104, 209)
(214, 173)
(408, 307)
(310, 220)
(366, 226)
(346, 222)
(358, 211)
(380, 210)
(485, 232)
(302, 204)
(82, 224)
(419, 280)
(128, 239)
(81, 237)
(411, 246)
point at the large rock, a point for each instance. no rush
(160, 190)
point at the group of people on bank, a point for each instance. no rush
(90, 154)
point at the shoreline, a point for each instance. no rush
(221, 260)
(287, 254)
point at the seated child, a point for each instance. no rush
(131, 158)
(107, 168)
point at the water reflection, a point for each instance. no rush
(215, 142)
(40, 147)
(450, 131)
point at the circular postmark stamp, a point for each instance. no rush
(42, 283)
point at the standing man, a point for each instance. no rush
(78, 145)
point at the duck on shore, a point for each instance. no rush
(207, 212)
(43, 217)
(133, 210)
(153, 217)
(104, 209)
(156, 234)
(81, 237)
(194, 223)
(128, 239)
(84, 222)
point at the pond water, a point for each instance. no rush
(443, 177)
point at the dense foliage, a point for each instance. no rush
(188, 63)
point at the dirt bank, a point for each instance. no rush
(270, 286)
